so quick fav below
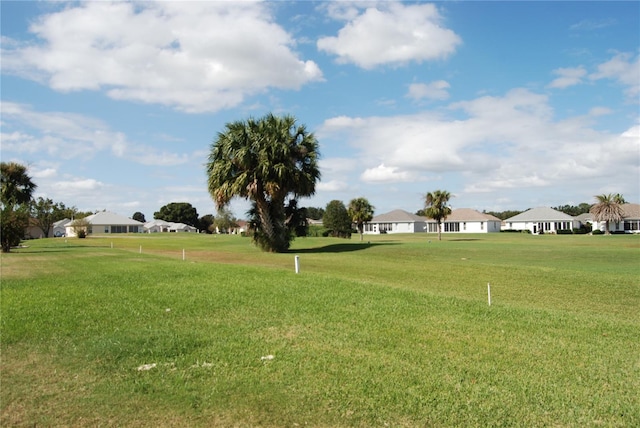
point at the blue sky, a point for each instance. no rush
(506, 105)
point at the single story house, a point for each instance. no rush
(540, 220)
(466, 220)
(155, 226)
(397, 221)
(107, 222)
(630, 220)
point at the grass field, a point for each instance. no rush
(393, 331)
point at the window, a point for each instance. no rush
(482, 225)
(452, 227)
(464, 225)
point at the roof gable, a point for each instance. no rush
(109, 218)
(397, 216)
(540, 214)
(631, 211)
(470, 215)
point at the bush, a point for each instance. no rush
(564, 232)
(82, 233)
(597, 232)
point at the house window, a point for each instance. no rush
(452, 227)
(464, 225)
(482, 225)
(106, 229)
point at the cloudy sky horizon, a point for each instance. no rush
(506, 105)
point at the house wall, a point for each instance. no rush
(394, 227)
(546, 226)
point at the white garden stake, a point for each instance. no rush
(140, 249)
(183, 256)
(489, 292)
(297, 263)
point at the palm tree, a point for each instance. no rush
(608, 208)
(360, 211)
(16, 190)
(267, 161)
(436, 207)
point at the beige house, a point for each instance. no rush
(466, 220)
(107, 222)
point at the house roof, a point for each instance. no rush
(631, 211)
(109, 218)
(397, 216)
(540, 214)
(468, 214)
(61, 223)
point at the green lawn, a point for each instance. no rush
(393, 331)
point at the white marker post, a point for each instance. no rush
(297, 263)
(183, 255)
(489, 292)
(140, 249)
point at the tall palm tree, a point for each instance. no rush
(436, 207)
(16, 190)
(267, 161)
(608, 208)
(360, 211)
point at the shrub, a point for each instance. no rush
(597, 232)
(564, 232)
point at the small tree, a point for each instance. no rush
(436, 207)
(336, 219)
(361, 212)
(81, 227)
(206, 223)
(138, 216)
(224, 220)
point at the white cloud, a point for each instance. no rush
(568, 77)
(391, 33)
(68, 136)
(496, 143)
(386, 174)
(204, 57)
(433, 91)
(624, 69)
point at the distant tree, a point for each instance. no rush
(16, 190)
(607, 208)
(224, 220)
(315, 213)
(138, 216)
(206, 223)
(360, 211)
(336, 219)
(503, 215)
(296, 218)
(436, 207)
(574, 210)
(421, 213)
(268, 161)
(43, 213)
(178, 212)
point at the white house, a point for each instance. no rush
(107, 222)
(630, 220)
(397, 221)
(155, 226)
(540, 220)
(466, 220)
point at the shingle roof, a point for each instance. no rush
(540, 214)
(468, 214)
(106, 217)
(631, 211)
(398, 216)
